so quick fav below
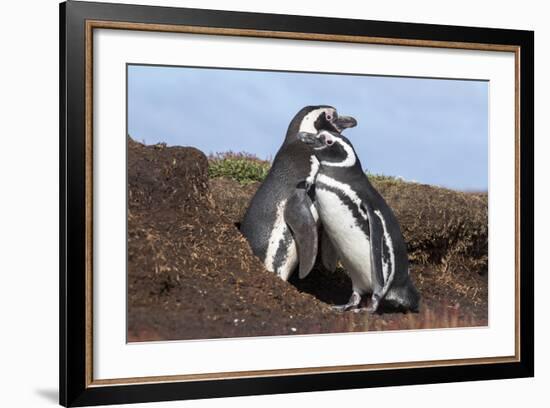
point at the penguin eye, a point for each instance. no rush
(329, 117)
(329, 142)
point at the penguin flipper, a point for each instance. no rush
(329, 256)
(299, 218)
(376, 231)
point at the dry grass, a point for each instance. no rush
(441, 226)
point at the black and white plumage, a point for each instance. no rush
(361, 226)
(281, 222)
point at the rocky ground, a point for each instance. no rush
(192, 275)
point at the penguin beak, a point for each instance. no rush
(344, 122)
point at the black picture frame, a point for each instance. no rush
(75, 388)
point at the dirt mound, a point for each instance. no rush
(161, 177)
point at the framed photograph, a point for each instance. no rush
(256, 203)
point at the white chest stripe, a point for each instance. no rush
(344, 189)
(388, 274)
(314, 169)
(277, 234)
(291, 260)
(314, 212)
(350, 158)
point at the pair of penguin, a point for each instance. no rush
(316, 195)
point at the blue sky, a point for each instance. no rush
(433, 131)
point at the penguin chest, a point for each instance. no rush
(347, 235)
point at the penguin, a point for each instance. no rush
(361, 226)
(281, 221)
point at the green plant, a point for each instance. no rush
(242, 167)
(384, 179)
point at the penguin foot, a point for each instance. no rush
(353, 303)
(374, 304)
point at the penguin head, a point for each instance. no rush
(313, 119)
(331, 148)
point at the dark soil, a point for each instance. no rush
(192, 275)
